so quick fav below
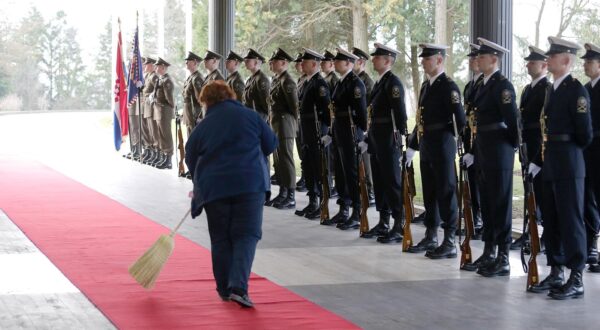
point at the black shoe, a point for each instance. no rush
(311, 207)
(242, 300)
(554, 280)
(393, 236)
(381, 229)
(314, 214)
(159, 160)
(354, 217)
(289, 202)
(429, 242)
(592, 257)
(516, 244)
(419, 218)
(225, 297)
(500, 266)
(334, 193)
(301, 185)
(371, 198)
(572, 289)
(280, 197)
(595, 268)
(341, 216)
(446, 250)
(488, 256)
(166, 164)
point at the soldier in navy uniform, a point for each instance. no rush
(592, 157)
(258, 85)
(284, 111)
(234, 79)
(467, 138)
(567, 130)
(439, 110)
(328, 70)
(349, 106)
(496, 138)
(387, 118)
(359, 70)
(301, 183)
(532, 102)
(314, 114)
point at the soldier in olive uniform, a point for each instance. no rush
(567, 131)
(532, 102)
(467, 139)
(359, 70)
(349, 106)
(191, 92)
(150, 84)
(284, 113)
(592, 157)
(301, 183)
(134, 128)
(234, 79)
(314, 116)
(439, 110)
(496, 138)
(387, 118)
(164, 104)
(258, 85)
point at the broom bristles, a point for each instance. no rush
(146, 269)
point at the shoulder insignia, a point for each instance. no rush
(322, 91)
(455, 97)
(289, 88)
(506, 96)
(581, 105)
(263, 85)
(357, 93)
(395, 92)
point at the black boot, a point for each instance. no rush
(151, 157)
(333, 193)
(340, 217)
(312, 205)
(554, 280)
(395, 234)
(274, 179)
(137, 152)
(301, 184)
(592, 257)
(522, 240)
(595, 268)
(280, 197)
(161, 158)
(419, 218)
(429, 242)
(144, 155)
(489, 253)
(289, 202)
(446, 250)
(500, 266)
(572, 289)
(478, 226)
(380, 229)
(165, 164)
(371, 197)
(353, 220)
(149, 153)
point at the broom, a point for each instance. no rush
(146, 269)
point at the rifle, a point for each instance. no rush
(324, 171)
(180, 147)
(529, 220)
(464, 202)
(362, 182)
(407, 198)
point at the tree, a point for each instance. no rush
(98, 84)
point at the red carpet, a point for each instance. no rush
(93, 239)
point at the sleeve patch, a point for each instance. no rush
(289, 88)
(357, 93)
(506, 96)
(395, 92)
(581, 105)
(263, 85)
(455, 97)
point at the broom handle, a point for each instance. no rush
(180, 222)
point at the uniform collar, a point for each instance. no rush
(594, 81)
(432, 79)
(558, 81)
(476, 76)
(383, 74)
(312, 75)
(486, 79)
(537, 80)
(345, 75)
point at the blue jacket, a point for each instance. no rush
(226, 154)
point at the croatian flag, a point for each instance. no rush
(136, 74)
(120, 118)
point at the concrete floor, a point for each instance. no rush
(376, 286)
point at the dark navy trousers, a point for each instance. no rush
(235, 227)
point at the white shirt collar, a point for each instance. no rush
(486, 79)
(558, 81)
(432, 79)
(595, 81)
(476, 76)
(383, 74)
(345, 75)
(312, 75)
(537, 80)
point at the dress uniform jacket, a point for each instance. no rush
(256, 93)
(592, 161)
(469, 94)
(387, 98)
(284, 106)
(332, 79)
(369, 83)
(163, 99)
(191, 92)
(151, 79)
(235, 81)
(532, 102)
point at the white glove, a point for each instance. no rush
(363, 146)
(151, 98)
(326, 140)
(410, 154)
(533, 170)
(468, 160)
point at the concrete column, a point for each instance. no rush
(221, 15)
(492, 20)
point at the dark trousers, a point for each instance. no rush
(495, 190)
(387, 181)
(283, 160)
(564, 232)
(590, 205)
(439, 194)
(311, 166)
(347, 186)
(234, 225)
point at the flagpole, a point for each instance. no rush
(128, 123)
(139, 88)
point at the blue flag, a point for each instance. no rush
(135, 73)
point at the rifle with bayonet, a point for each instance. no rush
(408, 193)
(464, 202)
(362, 182)
(324, 171)
(180, 146)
